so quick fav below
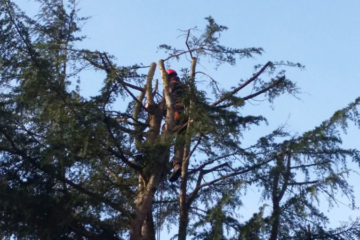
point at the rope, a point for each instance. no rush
(158, 230)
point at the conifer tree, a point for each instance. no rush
(82, 168)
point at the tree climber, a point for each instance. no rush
(176, 90)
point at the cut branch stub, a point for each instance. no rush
(136, 112)
(149, 95)
(168, 101)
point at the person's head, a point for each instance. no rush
(172, 75)
(171, 72)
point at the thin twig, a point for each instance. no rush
(211, 78)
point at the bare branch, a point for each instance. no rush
(253, 78)
(194, 148)
(199, 186)
(211, 162)
(311, 165)
(257, 93)
(133, 86)
(180, 53)
(187, 43)
(303, 183)
(265, 89)
(211, 78)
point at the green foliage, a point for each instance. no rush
(218, 218)
(254, 228)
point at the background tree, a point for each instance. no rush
(77, 168)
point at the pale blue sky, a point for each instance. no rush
(323, 35)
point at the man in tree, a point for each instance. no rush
(64, 159)
(176, 90)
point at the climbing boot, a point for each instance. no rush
(175, 173)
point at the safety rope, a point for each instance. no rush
(159, 212)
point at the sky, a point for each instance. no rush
(323, 35)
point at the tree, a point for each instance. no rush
(77, 168)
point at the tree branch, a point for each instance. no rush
(303, 183)
(253, 78)
(108, 70)
(257, 93)
(210, 162)
(187, 43)
(199, 186)
(211, 78)
(265, 89)
(111, 69)
(120, 153)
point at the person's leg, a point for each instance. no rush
(177, 159)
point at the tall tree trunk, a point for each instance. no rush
(275, 222)
(144, 209)
(148, 228)
(278, 192)
(183, 201)
(143, 225)
(183, 222)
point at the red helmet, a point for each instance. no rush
(171, 72)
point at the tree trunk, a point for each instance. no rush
(275, 222)
(150, 176)
(148, 228)
(142, 220)
(183, 222)
(143, 225)
(183, 201)
(277, 194)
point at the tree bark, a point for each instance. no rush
(143, 225)
(278, 192)
(275, 222)
(183, 221)
(143, 219)
(148, 228)
(169, 119)
(183, 201)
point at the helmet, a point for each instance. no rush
(171, 72)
